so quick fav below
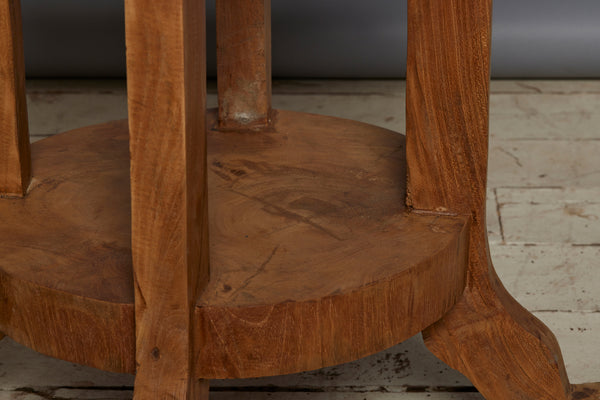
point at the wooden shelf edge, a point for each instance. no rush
(91, 329)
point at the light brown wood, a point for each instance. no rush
(166, 71)
(322, 264)
(244, 63)
(66, 282)
(504, 350)
(314, 259)
(14, 133)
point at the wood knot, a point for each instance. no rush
(155, 353)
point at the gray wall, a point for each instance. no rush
(325, 38)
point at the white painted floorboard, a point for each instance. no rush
(127, 394)
(543, 221)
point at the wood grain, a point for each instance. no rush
(65, 269)
(15, 161)
(314, 258)
(323, 265)
(166, 88)
(505, 351)
(244, 63)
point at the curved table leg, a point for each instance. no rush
(504, 350)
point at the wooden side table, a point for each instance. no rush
(184, 246)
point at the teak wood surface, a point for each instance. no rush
(14, 133)
(313, 262)
(166, 88)
(314, 257)
(503, 349)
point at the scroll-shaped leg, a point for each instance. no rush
(506, 352)
(167, 106)
(244, 63)
(15, 163)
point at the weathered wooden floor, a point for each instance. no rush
(543, 220)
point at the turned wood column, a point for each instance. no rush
(244, 63)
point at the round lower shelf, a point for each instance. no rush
(314, 258)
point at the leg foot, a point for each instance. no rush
(503, 349)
